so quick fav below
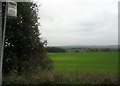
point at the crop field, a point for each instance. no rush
(85, 62)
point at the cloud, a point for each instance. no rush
(76, 22)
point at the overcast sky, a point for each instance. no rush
(79, 22)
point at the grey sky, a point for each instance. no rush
(79, 22)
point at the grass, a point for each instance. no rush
(73, 68)
(53, 77)
(85, 62)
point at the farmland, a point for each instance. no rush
(73, 68)
(85, 62)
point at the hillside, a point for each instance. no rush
(87, 46)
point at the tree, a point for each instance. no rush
(54, 49)
(23, 47)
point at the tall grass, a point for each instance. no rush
(53, 77)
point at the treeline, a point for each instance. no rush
(58, 49)
(91, 50)
(54, 49)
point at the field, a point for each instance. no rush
(73, 68)
(85, 62)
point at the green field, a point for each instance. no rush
(85, 61)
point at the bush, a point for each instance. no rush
(24, 49)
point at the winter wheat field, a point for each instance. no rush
(101, 62)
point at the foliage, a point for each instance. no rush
(45, 77)
(54, 49)
(24, 50)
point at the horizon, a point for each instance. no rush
(81, 45)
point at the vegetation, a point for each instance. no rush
(91, 50)
(73, 68)
(85, 61)
(54, 49)
(46, 77)
(24, 50)
(81, 49)
(26, 61)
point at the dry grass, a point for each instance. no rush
(45, 77)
